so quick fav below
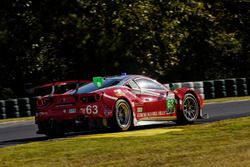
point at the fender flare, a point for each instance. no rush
(180, 93)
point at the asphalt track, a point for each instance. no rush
(25, 131)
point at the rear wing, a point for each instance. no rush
(62, 83)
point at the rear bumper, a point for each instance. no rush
(65, 125)
(45, 116)
(90, 111)
(71, 125)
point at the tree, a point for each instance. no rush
(45, 40)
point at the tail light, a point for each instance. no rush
(92, 98)
(42, 102)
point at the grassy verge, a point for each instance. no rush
(16, 119)
(224, 143)
(227, 99)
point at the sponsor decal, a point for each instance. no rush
(149, 114)
(152, 114)
(138, 104)
(92, 109)
(170, 103)
(72, 110)
(83, 110)
(139, 109)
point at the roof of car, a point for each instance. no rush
(123, 77)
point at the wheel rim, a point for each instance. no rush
(123, 115)
(190, 109)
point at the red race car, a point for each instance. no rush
(118, 102)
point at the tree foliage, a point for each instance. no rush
(173, 40)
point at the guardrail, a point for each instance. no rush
(23, 107)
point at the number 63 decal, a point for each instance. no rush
(91, 109)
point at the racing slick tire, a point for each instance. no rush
(122, 116)
(190, 111)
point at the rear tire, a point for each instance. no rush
(51, 130)
(190, 110)
(122, 116)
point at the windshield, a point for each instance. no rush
(91, 87)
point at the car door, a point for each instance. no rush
(153, 96)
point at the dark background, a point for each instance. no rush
(49, 40)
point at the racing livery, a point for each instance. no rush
(118, 102)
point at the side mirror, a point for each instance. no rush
(172, 86)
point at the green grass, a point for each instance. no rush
(226, 99)
(16, 119)
(223, 143)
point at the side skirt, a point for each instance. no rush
(154, 120)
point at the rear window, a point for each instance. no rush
(91, 87)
